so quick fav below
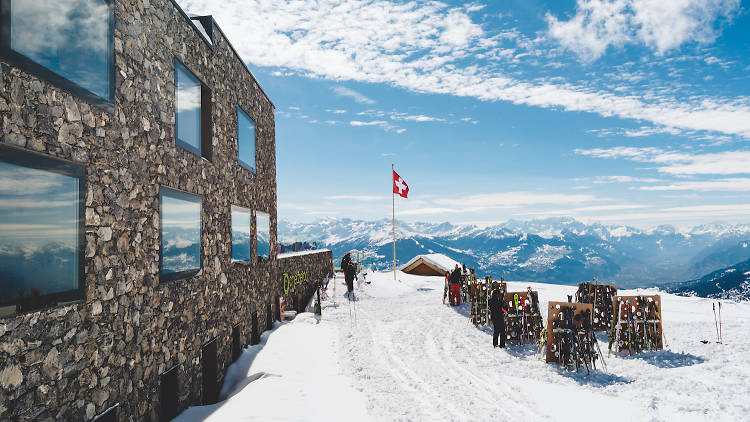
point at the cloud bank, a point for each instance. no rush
(436, 48)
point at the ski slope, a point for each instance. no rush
(398, 353)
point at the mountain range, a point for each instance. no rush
(555, 250)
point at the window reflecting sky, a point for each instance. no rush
(38, 231)
(240, 235)
(188, 107)
(69, 37)
(263, 222)
(246, 139)
(181, 233)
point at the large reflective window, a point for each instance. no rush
(188, 109)
(263, 234)
(180, 234)
(240, 234)
(40, 223)
(70, 38)
(246, 140)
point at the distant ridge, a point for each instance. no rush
(554, 250)
(727, 283)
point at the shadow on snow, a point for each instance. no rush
(668, 359)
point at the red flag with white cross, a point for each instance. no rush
(399, 185)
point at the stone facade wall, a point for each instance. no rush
(73, 362)
(299, 274)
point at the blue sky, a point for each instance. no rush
(621, 111)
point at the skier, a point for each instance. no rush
(349, 274)
(455, 280)
(497, 313)
(345, 261)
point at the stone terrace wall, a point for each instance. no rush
(74, 362)
(298, 274)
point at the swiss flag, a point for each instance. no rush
(399, 185)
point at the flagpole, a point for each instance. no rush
(393, 195)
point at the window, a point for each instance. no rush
(180, 234)
(263, 234)
(236, 343)
(68, 43)
(240, 234)
(246, 140)
(41, 231)
(208, 369)
(193, 118)
(168, 395)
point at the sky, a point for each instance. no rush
(629, 112)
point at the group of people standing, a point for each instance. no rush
(495, 303)
(453, 286)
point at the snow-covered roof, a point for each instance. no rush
(437, 259)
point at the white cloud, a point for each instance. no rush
(731, 185)
(495, 201)
(517, 199)
(413, 46)
(658, 24)
(335, 111)
(678, 163)
(354, 95)
(415, 118)
(624, 179)
(357, 197)
(576, 212)
(370, 123)
(379, 123)
(675, 214)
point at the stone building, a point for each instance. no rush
(137, 210)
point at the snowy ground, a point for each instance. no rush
(398, 353)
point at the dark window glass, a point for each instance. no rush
(188, 89)
(71, 38)
(40, 227)
(240, 234)
(208, 368)
(263, 234)
(246, 140)
(180, 234)
(168, 395)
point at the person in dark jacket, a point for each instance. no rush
(345, 261)
(497, 313)
(349, 274)
(455, 280)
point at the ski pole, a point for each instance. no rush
(721, 336)
(716, 324)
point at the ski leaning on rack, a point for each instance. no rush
(636, 324)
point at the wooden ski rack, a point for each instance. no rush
(479, 294)
(601, 296)
(524, 324)
(636, 328)
(554, 311)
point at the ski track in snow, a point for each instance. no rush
(416, 359)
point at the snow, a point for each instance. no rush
(300, 253)
(398, 353)
(291, 375)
